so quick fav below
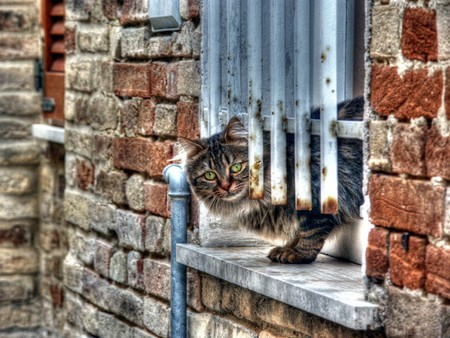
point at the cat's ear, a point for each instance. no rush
(188, 147)
(235, 132)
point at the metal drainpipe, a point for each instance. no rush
(179, 195)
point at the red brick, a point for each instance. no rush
(156, 199)
(142, 155)
(437, 285)
(419, 36)
(147, 116)
(159, 79)
(377, 253)
(109, 9)
(188, 121)
(438, 261)
(161, 153)
(447, 92)
(132, 79)
(70, 38)
(172, 81)
(437, 153)
(408, 149)
(413, 95)
(84, 174)
(407, 265)
(103, 254)
(410, 205)
(132, 153)
(57, 295)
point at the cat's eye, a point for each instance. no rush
(210, 175)
(236, 167)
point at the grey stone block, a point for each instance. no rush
(385, 31)
(207, 325)
(93, 39)
(20, 152)
(17, 180)
(118, 267)
(135, 192)
(130, 229)
(156, 317)
(165, 123)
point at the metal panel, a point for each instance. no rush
(303, 196)
(233, 58)
(164, 15)
(278, 97)
(328, 68)
(214, 68)
(254, 36)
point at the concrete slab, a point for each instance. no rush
(328, 288)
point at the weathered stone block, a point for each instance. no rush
(94, 39)
(157, 235)
(188, 78)
(17, 180)
(102, 147)
(84, 174)
(212, 293)
(70, 37)
(103, 111)
(20, 316)
(408, 147)
(413, 95)
(157, 278)
(73, 274)
(109, 325)
(20, 104)
(18, 207)
(134, 42)
(15, 233)
(200, 325)
(15, 129)
(147, 117)
(134, 12)
(156, 317)
(50, 237)
(76, 208)
(385, 32)
(419, 34)
(18, 261)
(78, 10)
(135, 273)
(112, 185)
(138, 333)
(407, 260)
(17, 18)
(165, 123)
(79, 140)
(19, 46)
(410, 205)
(20, 152)
(189, 9)
(79, 75)
(129, 116)
(14, 288)
(89, 318)
(118, 267)
(135, 192)
(130, 229)
(437, 152)
(410, 315)
(96, 289)
(126, 304)
(103, 254)
(102, 216)
(16, 75)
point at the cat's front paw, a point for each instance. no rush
(292, 255)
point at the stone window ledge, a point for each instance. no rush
(48, 133)
(329, 288)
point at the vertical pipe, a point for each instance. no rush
(302, 52)
(179, 195)
(214, 65)
(233, 58)
(278, 121)
(329, 99)
(254, 40)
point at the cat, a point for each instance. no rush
(218, 174)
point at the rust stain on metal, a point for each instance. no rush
(297, 102)
(330, 206)
(327, 80)
(334, 127)
(256, 191)
(303, 204)
(323, 57)
(324, 171)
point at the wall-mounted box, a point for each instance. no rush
(164, 15)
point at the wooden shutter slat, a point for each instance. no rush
(57, 10)
(58, 47)
(58, 28)
(58, 65)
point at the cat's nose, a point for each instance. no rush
(225, 185)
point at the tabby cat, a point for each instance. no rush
(218, 173)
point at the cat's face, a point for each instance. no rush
(217, 167)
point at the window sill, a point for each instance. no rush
(329, 288)
(48, 133)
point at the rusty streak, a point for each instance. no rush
(330, 206)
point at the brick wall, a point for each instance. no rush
(19, 159)
(409, 250)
